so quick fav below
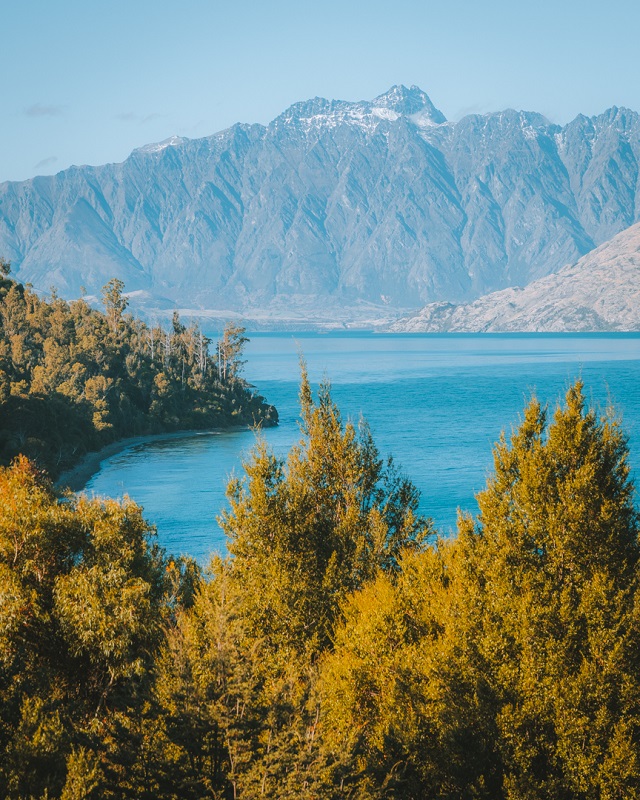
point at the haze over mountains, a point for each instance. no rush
(601, 292)
(334, 211)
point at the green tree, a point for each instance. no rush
(305, 533)
(555, 555)
(406, 712)
(230, 349)
(85, 596)
(506, 664)
(73, 379)
(302, 534)
(115, 303)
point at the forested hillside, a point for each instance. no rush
(73, 379)
(341, 650)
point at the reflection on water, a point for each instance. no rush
(437, 403)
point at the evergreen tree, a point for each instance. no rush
(336, 652)
(504, 665)
(73, 379)
(302, 535)
(230, 349)
(555, 559)
(85, 596)
(115, 303)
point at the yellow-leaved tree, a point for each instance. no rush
(84, 597)
(303, 533)
(506, 663)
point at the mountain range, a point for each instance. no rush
(335, 211)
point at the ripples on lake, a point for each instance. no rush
(436, 403)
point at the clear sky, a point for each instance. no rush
(86, 81)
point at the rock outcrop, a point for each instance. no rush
(601, 292)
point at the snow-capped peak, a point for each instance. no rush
(410, 102)
(399, 101)
(157, 147)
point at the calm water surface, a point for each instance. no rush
(436, 403)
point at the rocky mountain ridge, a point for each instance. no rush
(334, 211)
(601, 292)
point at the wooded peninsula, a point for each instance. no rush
(342, 649)
(73, 379)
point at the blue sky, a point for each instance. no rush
(86, 81)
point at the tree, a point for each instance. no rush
(230, 349)
(555, 556)
(302, 534)
(405, 710)
(85, 597)
(73, 379)
(506, 665)
(114, 301)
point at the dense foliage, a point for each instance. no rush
(85, 599)
(505, 663)
(73, 379)
(341, 650)
(241, 666)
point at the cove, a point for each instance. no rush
(437, 403)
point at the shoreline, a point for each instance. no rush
(76, 478)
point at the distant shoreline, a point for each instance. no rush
(77, 477)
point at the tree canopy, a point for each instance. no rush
(505, 661)
(73, 379)
(341, 649)
(85, 598)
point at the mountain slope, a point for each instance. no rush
(601, 292)
(335, 208)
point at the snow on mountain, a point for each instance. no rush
(333, 210)
(172, 141)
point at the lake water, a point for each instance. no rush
(437, 403)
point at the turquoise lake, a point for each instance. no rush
(437, 403)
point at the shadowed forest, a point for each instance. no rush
(73, 379)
